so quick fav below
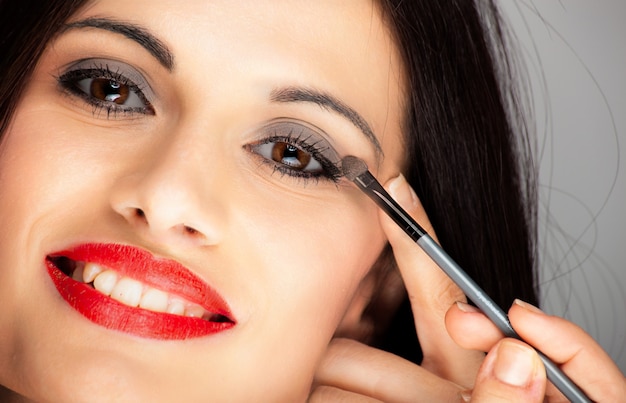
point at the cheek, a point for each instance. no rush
(31, 160)
(38, 177)
(316, 253)
(304, 263)
(25, 173)
(56, 170)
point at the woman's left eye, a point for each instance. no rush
(289, 155)
(297, 150)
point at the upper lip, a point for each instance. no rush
(165, 274)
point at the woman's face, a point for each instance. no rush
(204, 137)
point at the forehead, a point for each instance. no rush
(343, 47)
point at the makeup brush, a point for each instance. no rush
(356, 171)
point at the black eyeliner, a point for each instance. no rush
(101, 69)
(305, 139)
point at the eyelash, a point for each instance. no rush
(329, 170)
(70, 80)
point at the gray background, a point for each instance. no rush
(575, 52)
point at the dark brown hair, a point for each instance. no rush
(26, 26)
(467, 146)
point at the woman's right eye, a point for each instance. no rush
(108, 88)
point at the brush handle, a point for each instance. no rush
(376, 192)
(496, 314)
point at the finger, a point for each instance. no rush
(470, 328)
(355, 367)
(431, 293)
(580, 357)
(331, 394)
(512, 372)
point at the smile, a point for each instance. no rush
(127, 289)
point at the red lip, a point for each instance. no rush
(164, 274)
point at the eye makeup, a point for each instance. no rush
(296, 149)
(290, 147)
(109, 86)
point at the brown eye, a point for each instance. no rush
(109, 90)
(117, 88)
(295, 149)
(290, 155)
(105, 90)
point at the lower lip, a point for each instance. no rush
(111, 314)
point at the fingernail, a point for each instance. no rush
(466, 396)
(528, 306)
(402, 192)
(465, 307)
(515, 364)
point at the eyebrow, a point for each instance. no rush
(327, 101)
(131, 31)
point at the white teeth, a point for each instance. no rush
(90, 272)
(133, 293)
(105, 282)
(176, 307)
(195, 311)
(127, 291)
(154, 300)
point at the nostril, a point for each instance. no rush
(140, 215)
(159, 226)
(191, 233)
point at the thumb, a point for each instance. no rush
(511, 372)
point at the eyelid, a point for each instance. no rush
(117, 67)
(290, 128)
(304, 136)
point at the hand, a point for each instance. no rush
(513, 369)
(353, 371)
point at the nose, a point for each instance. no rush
(170, 197)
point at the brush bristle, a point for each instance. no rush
(353, 167)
